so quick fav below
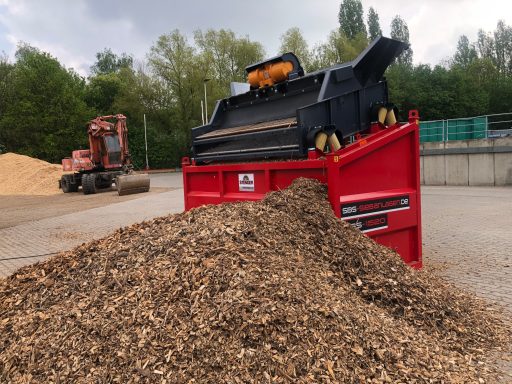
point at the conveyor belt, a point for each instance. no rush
(248, 150)
(282, 123)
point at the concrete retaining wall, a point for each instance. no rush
(467, 162)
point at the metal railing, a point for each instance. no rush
(478, 127)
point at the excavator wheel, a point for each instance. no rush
(67, 184)
(64, 184)
(89, 183)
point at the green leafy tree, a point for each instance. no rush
(400, 31)
(105, 83)
(225, 55)
(439, 92)
(351, 20)
(403, 86)
(177, 64)
(108, 62)
(485, 45)
(6, 69)
(338, 49)
(483, 72)
(46, 111)
(466, 52)
(141, 94)
(500, 96)
(222, 57)
(182, 69)
(293, 41)
(101, 92)
(503, 47)
(248, 52)
(374, 29)
(321, 57)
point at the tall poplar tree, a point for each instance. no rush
(374, 29)
(350, 18)
(466, 52)
(400, 31)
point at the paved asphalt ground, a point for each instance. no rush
(467, 233)
(33, 241)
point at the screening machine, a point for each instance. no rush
(335, 125)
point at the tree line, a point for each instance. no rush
(44, 105)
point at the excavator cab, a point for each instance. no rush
(112, 153)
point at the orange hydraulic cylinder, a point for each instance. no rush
(269, 74)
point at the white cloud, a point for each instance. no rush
(74, 31)
(436, 25)
(68, 30)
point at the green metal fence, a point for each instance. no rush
(432, 130)
(479, 127)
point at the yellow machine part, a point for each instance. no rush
(320, 141)
(269, 74)
(334, 143)
(382, 114)
(132, 183)
(391, 118)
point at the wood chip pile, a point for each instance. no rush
(24, 175)
(278, 291)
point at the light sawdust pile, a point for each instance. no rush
(277, 291)
(24, 175)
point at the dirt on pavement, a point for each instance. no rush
(17, 209)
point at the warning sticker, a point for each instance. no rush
(370, 223)
(370, 207)
(246, 182)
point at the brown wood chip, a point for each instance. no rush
(277, 291)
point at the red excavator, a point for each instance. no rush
(106, 161)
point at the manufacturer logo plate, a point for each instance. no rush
(246, 182)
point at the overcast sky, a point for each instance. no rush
(74, 30)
